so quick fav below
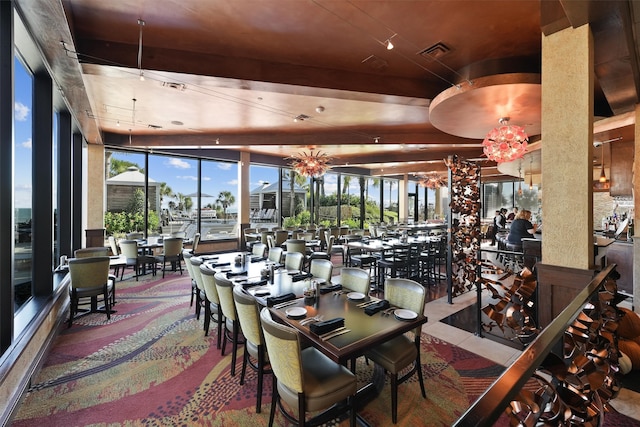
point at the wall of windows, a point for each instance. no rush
(189, 195)
(509, 194)
(183, 196)
(23, 183)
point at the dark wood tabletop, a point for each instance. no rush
(365, 331)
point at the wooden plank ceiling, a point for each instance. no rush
(276, 77)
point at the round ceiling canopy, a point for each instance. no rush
(472, 110)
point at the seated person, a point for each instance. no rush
(512, 215)
(521, 227)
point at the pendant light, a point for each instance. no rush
(603, 176)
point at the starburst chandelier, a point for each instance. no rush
(310, 165)
(432, 180)
(506, 142)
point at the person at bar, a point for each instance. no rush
(521, 227)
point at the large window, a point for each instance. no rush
(125, 182)
(173, 190)
(183, 196)
(328, 198)
(218, 200)
(22, 190)
(264, 206)
(390, 203)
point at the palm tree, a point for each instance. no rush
(165, 190)
(188, 203)
(225, 199)
(346, 181)
(117, 166)
(292, 193)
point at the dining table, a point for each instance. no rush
(359, 330)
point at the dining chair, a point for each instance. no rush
(355, 279)
(393, 262)
(171, 253)
(212, 308)
(332, 247)
(135, 260)
(271, 241)
(264, 234)
(186, 256)
(249, 237)
(293, 261)
(305, 379)
(114, 246)
(397, 354)
(281, 237)
(196, 242)
(259, 249)
(296, 245)
(321, 269)
(254, 346)
(90, 278)
(196, 262)
(135, 236)
(275, 254)
(231, 332)
(98, 251)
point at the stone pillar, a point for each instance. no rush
(567, 152)
(403, 200)
(244, 195)
(94, 194)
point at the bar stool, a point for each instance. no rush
(393, 263)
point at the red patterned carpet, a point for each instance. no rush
(151, 365)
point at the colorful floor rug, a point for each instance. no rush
(151, 365)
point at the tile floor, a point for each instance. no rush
(626, 402)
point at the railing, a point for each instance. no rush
(492, 404)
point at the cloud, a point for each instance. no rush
(224, 166)
(233, 182)
(26, 144)
(206, 178)
(187, 177)
(178, 163)
(21, 111)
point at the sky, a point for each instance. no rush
(22, 136)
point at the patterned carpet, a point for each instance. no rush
(151, 365)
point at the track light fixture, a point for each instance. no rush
(388, 43)
(141, 24)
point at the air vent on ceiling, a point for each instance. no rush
(436, 51)
(178, 86)
(155, 127)
(375, 63)
(301, 117)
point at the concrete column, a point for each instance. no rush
(567, 152)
